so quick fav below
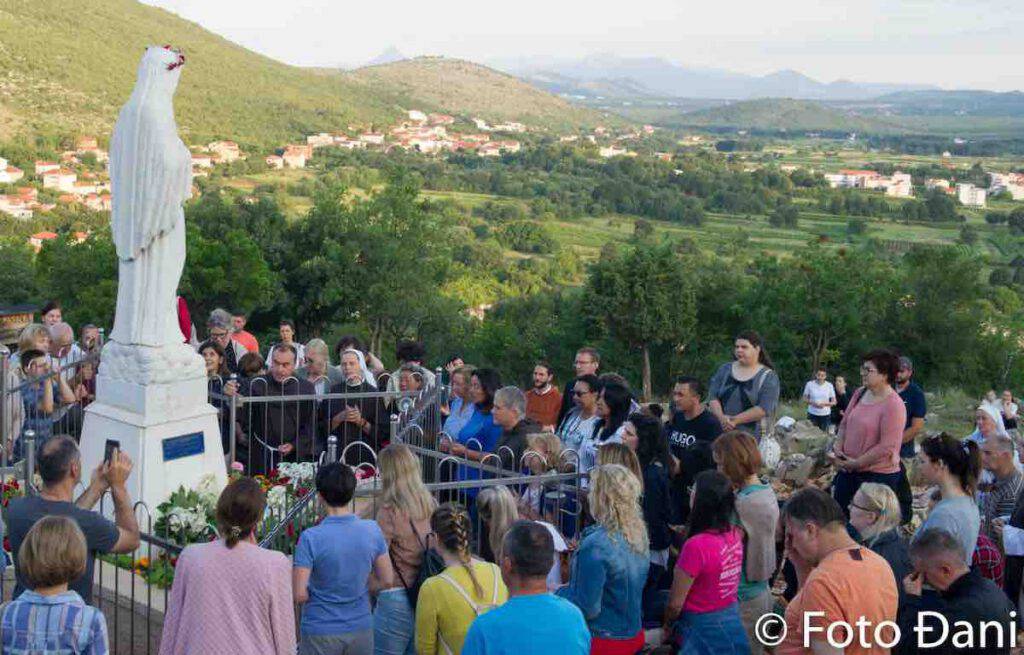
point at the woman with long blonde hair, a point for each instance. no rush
(498, 511)
(621, 454)
(404, 510)
(614, 550)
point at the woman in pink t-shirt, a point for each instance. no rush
(867, 447)
(702, 615)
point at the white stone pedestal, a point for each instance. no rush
(168, 429)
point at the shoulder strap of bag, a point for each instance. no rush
(855, 399)
(424, 544)
(401, 578)
(496, 575)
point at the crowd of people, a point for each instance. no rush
(675, 539)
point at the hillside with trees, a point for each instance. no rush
(67, 66)
(470, 90)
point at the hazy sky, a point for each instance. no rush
(950, 43)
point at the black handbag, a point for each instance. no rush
(431, 564)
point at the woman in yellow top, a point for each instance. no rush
(450, 601)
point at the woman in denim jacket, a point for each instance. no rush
(610, 568)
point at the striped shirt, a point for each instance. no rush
(52, 625)
(998, 500)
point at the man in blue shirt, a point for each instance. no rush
(533, 621)
(914, 400)
(333, 562)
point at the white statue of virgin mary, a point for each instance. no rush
(151, 177)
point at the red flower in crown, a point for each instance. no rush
(181, 58)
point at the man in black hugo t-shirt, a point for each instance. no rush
(690, 432)
(60, 467)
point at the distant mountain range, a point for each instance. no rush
(614, 76)
(389, 56)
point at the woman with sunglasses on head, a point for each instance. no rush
(577, 428)
(867, 446)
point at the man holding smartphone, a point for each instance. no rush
(60, 467)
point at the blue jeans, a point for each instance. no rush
(712, 633)
(394, 624)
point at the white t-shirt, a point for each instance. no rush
(821, 393)
(555, 574)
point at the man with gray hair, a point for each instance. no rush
(509, 412)
(62, 339)
(964, 601)
(999, 496)
(68, 417)
(219, 328)
(550, 624)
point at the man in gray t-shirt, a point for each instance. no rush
(60, 467)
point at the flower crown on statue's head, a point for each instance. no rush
(181, 58)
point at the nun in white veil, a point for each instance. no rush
(355, 416)
(988, 423)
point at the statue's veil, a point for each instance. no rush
(148, 192)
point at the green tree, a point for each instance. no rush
(968, 235)
(642, 229)
(856, 226)
(378, 261)
(785, 215)
(939, 206)
(936, 318)
(82, 275)
(643, 296)
(17, 274)
(228, 272)
(1000, 277)
(833, 300)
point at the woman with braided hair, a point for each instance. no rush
(449, 602)
(609, 570)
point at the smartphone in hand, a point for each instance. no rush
(108, 450)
